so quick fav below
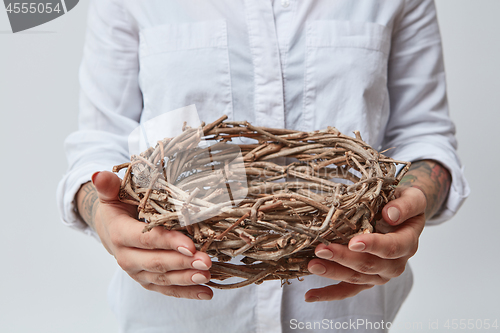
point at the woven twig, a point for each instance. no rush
(278, 225)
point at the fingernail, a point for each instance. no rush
(393, 214)
(198, 264)
(324, 254)
(312, 299)
(357, 247)
(204, 296)
(199, 278)
(317, 269)
(94, 176)
(185, 251)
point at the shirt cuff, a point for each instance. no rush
(66, 197)
(459, 188)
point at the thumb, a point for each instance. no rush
(107, 185)
(411, 202)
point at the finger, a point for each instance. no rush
(192, 292)
(365, 263)
(134, 260)
(335, 271)
(335, 292)
(401, 243)
(174, 278)
(411, 202)
(127, 232)
(107, 185)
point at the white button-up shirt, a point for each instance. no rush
(369, 65)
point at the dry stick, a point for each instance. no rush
(363, 170)
(248, 246)
(158, 208)
(293, 136)
(312, 195)
(305, 232)
(279, 131)
(150, 188)
(181, 140)
(157, 150)
(206, 244)
(259, 202)
(192, 195)
(271, 148)
(251, 280)
(117, 168)
(162, 156)
(272, 136)
(337, 150)
(349, 145)
(226, 244)
(386, 180)
(270, 179)
(130, 191)
(335, 160)
(209, 127)
(250, 155)
(232, 226)
(275, 131)
(229, 269)
(272, 187)
(183, 195)
(274, 255)
(128, 173)
(308, 157)
(247, 147)
(287, 152)
(311, 178)
(264, 208)
(151, 165)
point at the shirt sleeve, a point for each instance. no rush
(110, 103)
(419, 126)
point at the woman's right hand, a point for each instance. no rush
(160, 260)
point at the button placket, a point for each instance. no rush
(264, 46)
(284, 21)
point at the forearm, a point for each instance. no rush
(87, 201)
(431, 178)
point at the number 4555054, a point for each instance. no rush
(32, 8)
(470, 324)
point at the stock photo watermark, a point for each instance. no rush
(366, 324)
(26, 15)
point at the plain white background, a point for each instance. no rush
(53, 279)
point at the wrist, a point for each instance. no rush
(87, 204)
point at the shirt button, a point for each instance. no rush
(285, 3)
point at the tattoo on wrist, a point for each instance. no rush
(87, 203)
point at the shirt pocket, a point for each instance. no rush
(345, 80)
(183, 64)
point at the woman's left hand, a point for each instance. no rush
(372, 259)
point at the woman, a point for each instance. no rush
(374, 66)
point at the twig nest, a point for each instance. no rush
(331, 188)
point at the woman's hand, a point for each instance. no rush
(160, 260)
(371, 259)
(374, 259)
